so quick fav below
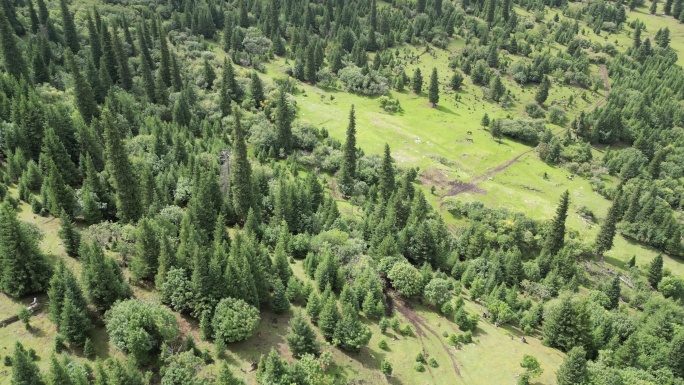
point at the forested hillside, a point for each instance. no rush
(341, 192)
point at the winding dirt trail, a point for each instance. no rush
(421, 326)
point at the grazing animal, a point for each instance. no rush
(469, 132)
(469, 140)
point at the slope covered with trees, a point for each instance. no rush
(195, 203)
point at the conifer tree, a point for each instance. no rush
(74, 323)
(147, 78)
(417, 81)
(604, 239)
(573, 371)
(121, 171)
(146, 258)
(302, 338)
(433, 92)
(161, 94)
(386, 174)
(226, 376)
(59, 195)
(93, 40)
(327, 319)
(257, 90)
(23, 268)
(279, 302)
(165, 59)
(283, 121)
(33, 16)
(655, 271)
(176, 80)
(241, 173)
(209, 74)
(70, 34)
(613, 292)
(55, 150)
(543, 91)
(24, 370)
(555, 238)
(348, 168)
(124, 70)
(228, 85)
(102, 277)
(11, 55)
(85, 99)
(69, 235)
(108, 53)
(40, 70)
(490, 9)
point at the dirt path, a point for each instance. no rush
(420, 325)
(471, 186)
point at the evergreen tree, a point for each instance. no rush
(613, 292)
(176, 80)
(555, 237)
(85, 99)
(655, 271)
(11, 55)
(108, 54)
(654, 7)
(121, 171)
(302, 338)
(124, 70)
(228, 91)
(279, 302)
(417, 81)
(59, 195)
(350, 334)
(283, 121)
(146, 258)
(348, 169)
(240, 176)
(70, 34)
(257, 90)
(456, 81)
(490, 9)
(497, 88)
(433, 93)
(165, 59)
(69, 235)
(226, 376)
(24, 370)
(604, 239)
(209, 74)
(386, 174)
(147, 78)
(327, 319)
(74, 323)
(93, 40)
(54, 149)
(543, 91)
(102, 277)
(573, 371)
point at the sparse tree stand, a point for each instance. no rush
(485, 120)
(433, 92)
(654, 7)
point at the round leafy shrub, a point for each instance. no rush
(234, 320)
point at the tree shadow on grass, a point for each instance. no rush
(444, 109)
(269, 334)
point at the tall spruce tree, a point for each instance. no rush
(605, 237)
(146, 258)
(85, 99)
(655, 271)
(11, 55)
(283, 121)
(122, 176)
(573, 371)
(241, 172)
(433, 92)
(69, 235)
(555, 237)
(302, 338)
(102, 277)
(124, 70)
(24, 370)
(417, 81)
(348, 168)
(543, 90)
(613, 292)
(386, 174)
(23, 267)
(257, 90)
(70, 34)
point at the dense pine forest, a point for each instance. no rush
(323, 192)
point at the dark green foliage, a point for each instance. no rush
(613, 292)
(241, 171)
(234, 320)
(209, 74)
(555, 237)
(433, 91)
(69, 235)
(119, 167)
(543, 90)
(23, 267)
(604, 239)
(102, 277)
(568, 325)
(348, 168)
(456, 81)
(283, 121)
(74, 323)
(279, 301)
(89, 349)
(301, 339)
(25, 317)
(24, 370)
(350, 334)
(85, 99)
(70, 34)
(328, 317)
(11, 55)
(257, 90)
(417, 81)
(574, 368)
(655, 271)
(146, 259)
(226, 376)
